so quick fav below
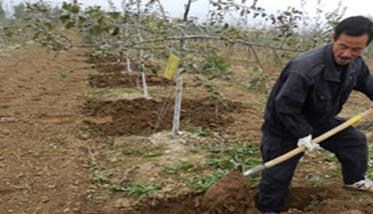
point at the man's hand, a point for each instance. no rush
(307, 143)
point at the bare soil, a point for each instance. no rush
(110, 73)
(50, 161)
(42, 165)
(125, 80)
(146, 116)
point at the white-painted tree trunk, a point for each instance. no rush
(144, 84)
(178, 96)
(179, 75)
(142, 67)
(128, 63)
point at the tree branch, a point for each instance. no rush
(194, 37)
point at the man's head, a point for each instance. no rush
(351, 36)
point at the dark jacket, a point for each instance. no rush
(310, 90)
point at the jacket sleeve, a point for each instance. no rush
(364, 82)
(289, 103)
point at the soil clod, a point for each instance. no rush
(231, 194)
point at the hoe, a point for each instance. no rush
(317, 140)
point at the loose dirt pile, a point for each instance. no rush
(231, 194)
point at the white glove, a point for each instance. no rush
(306, 142)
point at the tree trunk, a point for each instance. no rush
(178, 96)
(179, 76)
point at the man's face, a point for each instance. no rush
(347, 48)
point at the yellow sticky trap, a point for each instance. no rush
(172, 64)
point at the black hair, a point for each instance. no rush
(355, 26)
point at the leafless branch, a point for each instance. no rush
(257, 57)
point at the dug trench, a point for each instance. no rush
(146, 116)
(114, 74)
(125, 80)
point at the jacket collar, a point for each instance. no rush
(331, 72)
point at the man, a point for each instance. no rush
(304, 102)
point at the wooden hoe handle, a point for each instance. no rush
(317, 140)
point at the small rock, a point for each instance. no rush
(4, 131)
(44, 199)
(38, 209)
(52, 186)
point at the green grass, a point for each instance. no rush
(181, 166)
(145, 150)
(198, 131)
(100, 177)
(137, 189)
(217, 162)
(202, 183)
(226, 156)
(61, 73)
(213, 148)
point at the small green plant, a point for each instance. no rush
(137, 189)
(62, 73)
(91, 72)
(214, 64)
(243, 147)
(194, 149)
(202, 183)
(198, 131)
(330, 156)
(249, 162)
(181, 166)
(100, 177)
(151, 154)
(215, 149)
(219, 163)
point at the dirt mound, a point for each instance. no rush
(125, 80)
(145, 116)
(331, 198)
(302, 197)
(110, 68)
(232, 194)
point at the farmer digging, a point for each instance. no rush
(305, 102)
